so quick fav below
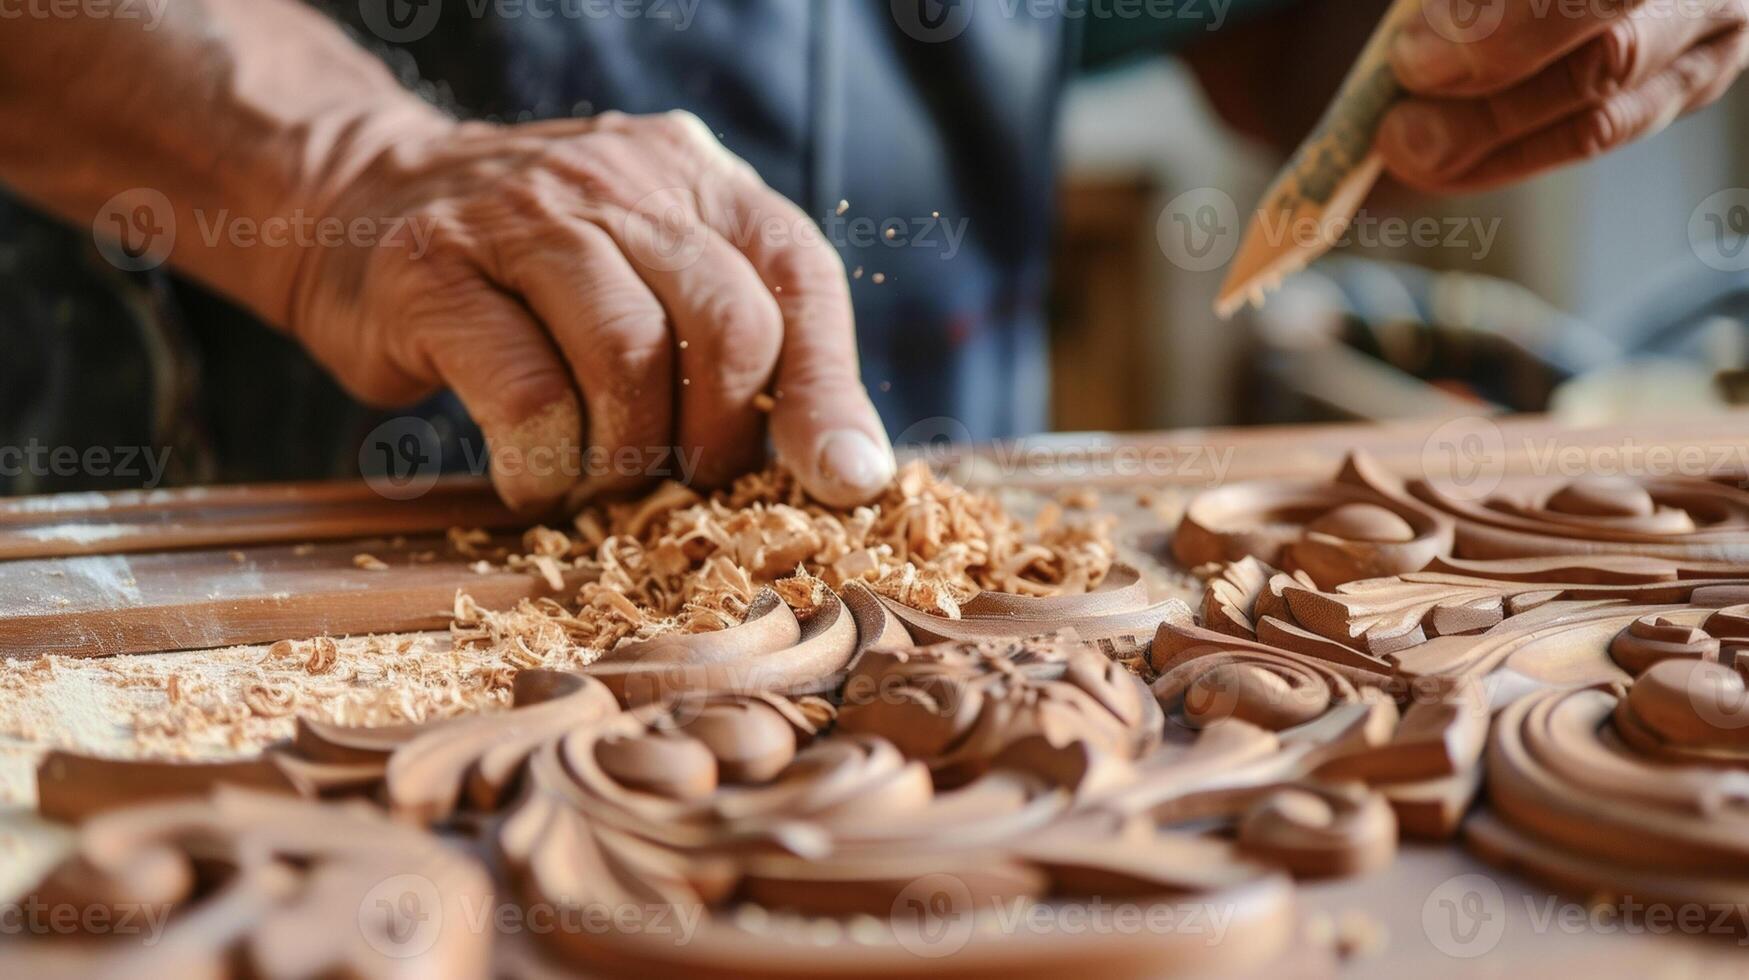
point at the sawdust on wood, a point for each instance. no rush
(674, 561)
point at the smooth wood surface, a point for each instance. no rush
(97, 605)
(135, 521)
(1203, 457)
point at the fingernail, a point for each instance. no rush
(852, 467)
(1424, 136)
(1425, 61)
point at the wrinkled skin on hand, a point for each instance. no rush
(619, 283)
(1501, 90)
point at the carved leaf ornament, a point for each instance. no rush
(1550, 675)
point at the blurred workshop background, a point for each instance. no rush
(1613, 290)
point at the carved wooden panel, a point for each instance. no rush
(1548, 676)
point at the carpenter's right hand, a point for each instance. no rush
(619, 283)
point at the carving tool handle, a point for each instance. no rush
(1311, 201)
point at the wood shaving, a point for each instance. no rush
(678, 562)
(673, 561)
(1081, 499)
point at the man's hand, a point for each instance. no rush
(614, 286)
(620, 284)
(1504, 89)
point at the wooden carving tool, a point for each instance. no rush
(1310, 203)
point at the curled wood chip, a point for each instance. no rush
(677, 562)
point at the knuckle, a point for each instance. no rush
(683, 125)
(747, 335)
(1599, 130)
(806, 267)
(612, 119)
(595, 169)
(451, 249)
(628, 336)
(522, 385)
(1597, 72)
(1621, 48)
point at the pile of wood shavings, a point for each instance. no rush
(680, 562)
(674, 561)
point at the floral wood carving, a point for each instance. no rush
(1366, 523)
(1358, 526)
(809, 788)
(256, 884)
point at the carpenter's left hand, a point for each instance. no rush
(1504, 89)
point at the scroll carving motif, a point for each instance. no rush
(824, 795)
(1365, 523)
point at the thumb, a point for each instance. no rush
(826, 430)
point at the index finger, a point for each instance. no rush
(1467, 48)
(823, 423)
